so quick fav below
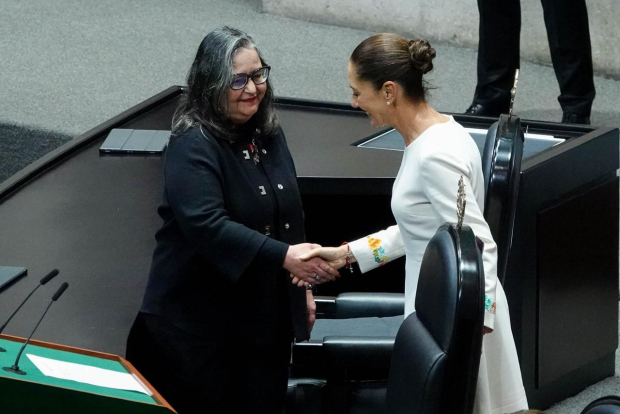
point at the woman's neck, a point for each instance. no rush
(411, 120)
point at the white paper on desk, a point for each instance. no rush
(86, 374)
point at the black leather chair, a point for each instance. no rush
(305, 396)
(604, 405)
(360, 305)
(435, 357)
(501, 167)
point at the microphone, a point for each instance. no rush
(43, 281)
(15, 368)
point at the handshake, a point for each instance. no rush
(311, 264)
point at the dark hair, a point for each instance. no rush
(208, 82)
(390, 57)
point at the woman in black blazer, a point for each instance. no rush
(219, 313)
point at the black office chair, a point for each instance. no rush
(501, 167)
(305, 396)
(605, 405)
(436, 354)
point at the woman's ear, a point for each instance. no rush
(388, 91)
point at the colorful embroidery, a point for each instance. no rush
(377, 251)
(489, 305)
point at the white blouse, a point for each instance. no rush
(424, 198)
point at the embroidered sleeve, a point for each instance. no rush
(377, 251)
(378, 248)
(489, 305)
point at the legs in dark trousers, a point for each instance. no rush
(197, 376)
(498, 51)
(568, 33)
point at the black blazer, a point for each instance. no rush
(217, 268)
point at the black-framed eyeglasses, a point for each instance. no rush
(259, 76)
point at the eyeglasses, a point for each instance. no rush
(259, 76)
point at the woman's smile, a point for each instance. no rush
(251, 100)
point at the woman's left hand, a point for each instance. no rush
(311, 304)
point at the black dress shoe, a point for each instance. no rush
(477, 109)
(573, 118)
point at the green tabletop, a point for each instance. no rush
(34, 375)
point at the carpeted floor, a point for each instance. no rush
(20, 146)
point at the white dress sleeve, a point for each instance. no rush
(441, 172)
(378, 248)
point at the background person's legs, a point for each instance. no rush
(568, 32)
(498, 55)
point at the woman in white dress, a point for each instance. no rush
(385, 74)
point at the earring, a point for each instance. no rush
(388, 102)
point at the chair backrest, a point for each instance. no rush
(604, 405)
(501, 167)
(436, 355)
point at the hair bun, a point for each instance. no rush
(422, 55)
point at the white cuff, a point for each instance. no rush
(489, 312)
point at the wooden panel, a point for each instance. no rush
(578, 282)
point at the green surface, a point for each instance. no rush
(34, 375)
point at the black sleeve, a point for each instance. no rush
(287, 151)
(193, 183)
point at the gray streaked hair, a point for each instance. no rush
(208, 81)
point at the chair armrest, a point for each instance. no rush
(368, 305)
(308, 354)
(358, 351)
(325, 307)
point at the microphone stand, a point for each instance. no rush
(15, 368)
(43, 281)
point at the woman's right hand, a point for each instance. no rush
(336, 257)
(311, 270)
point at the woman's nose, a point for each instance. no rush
(250, 87)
